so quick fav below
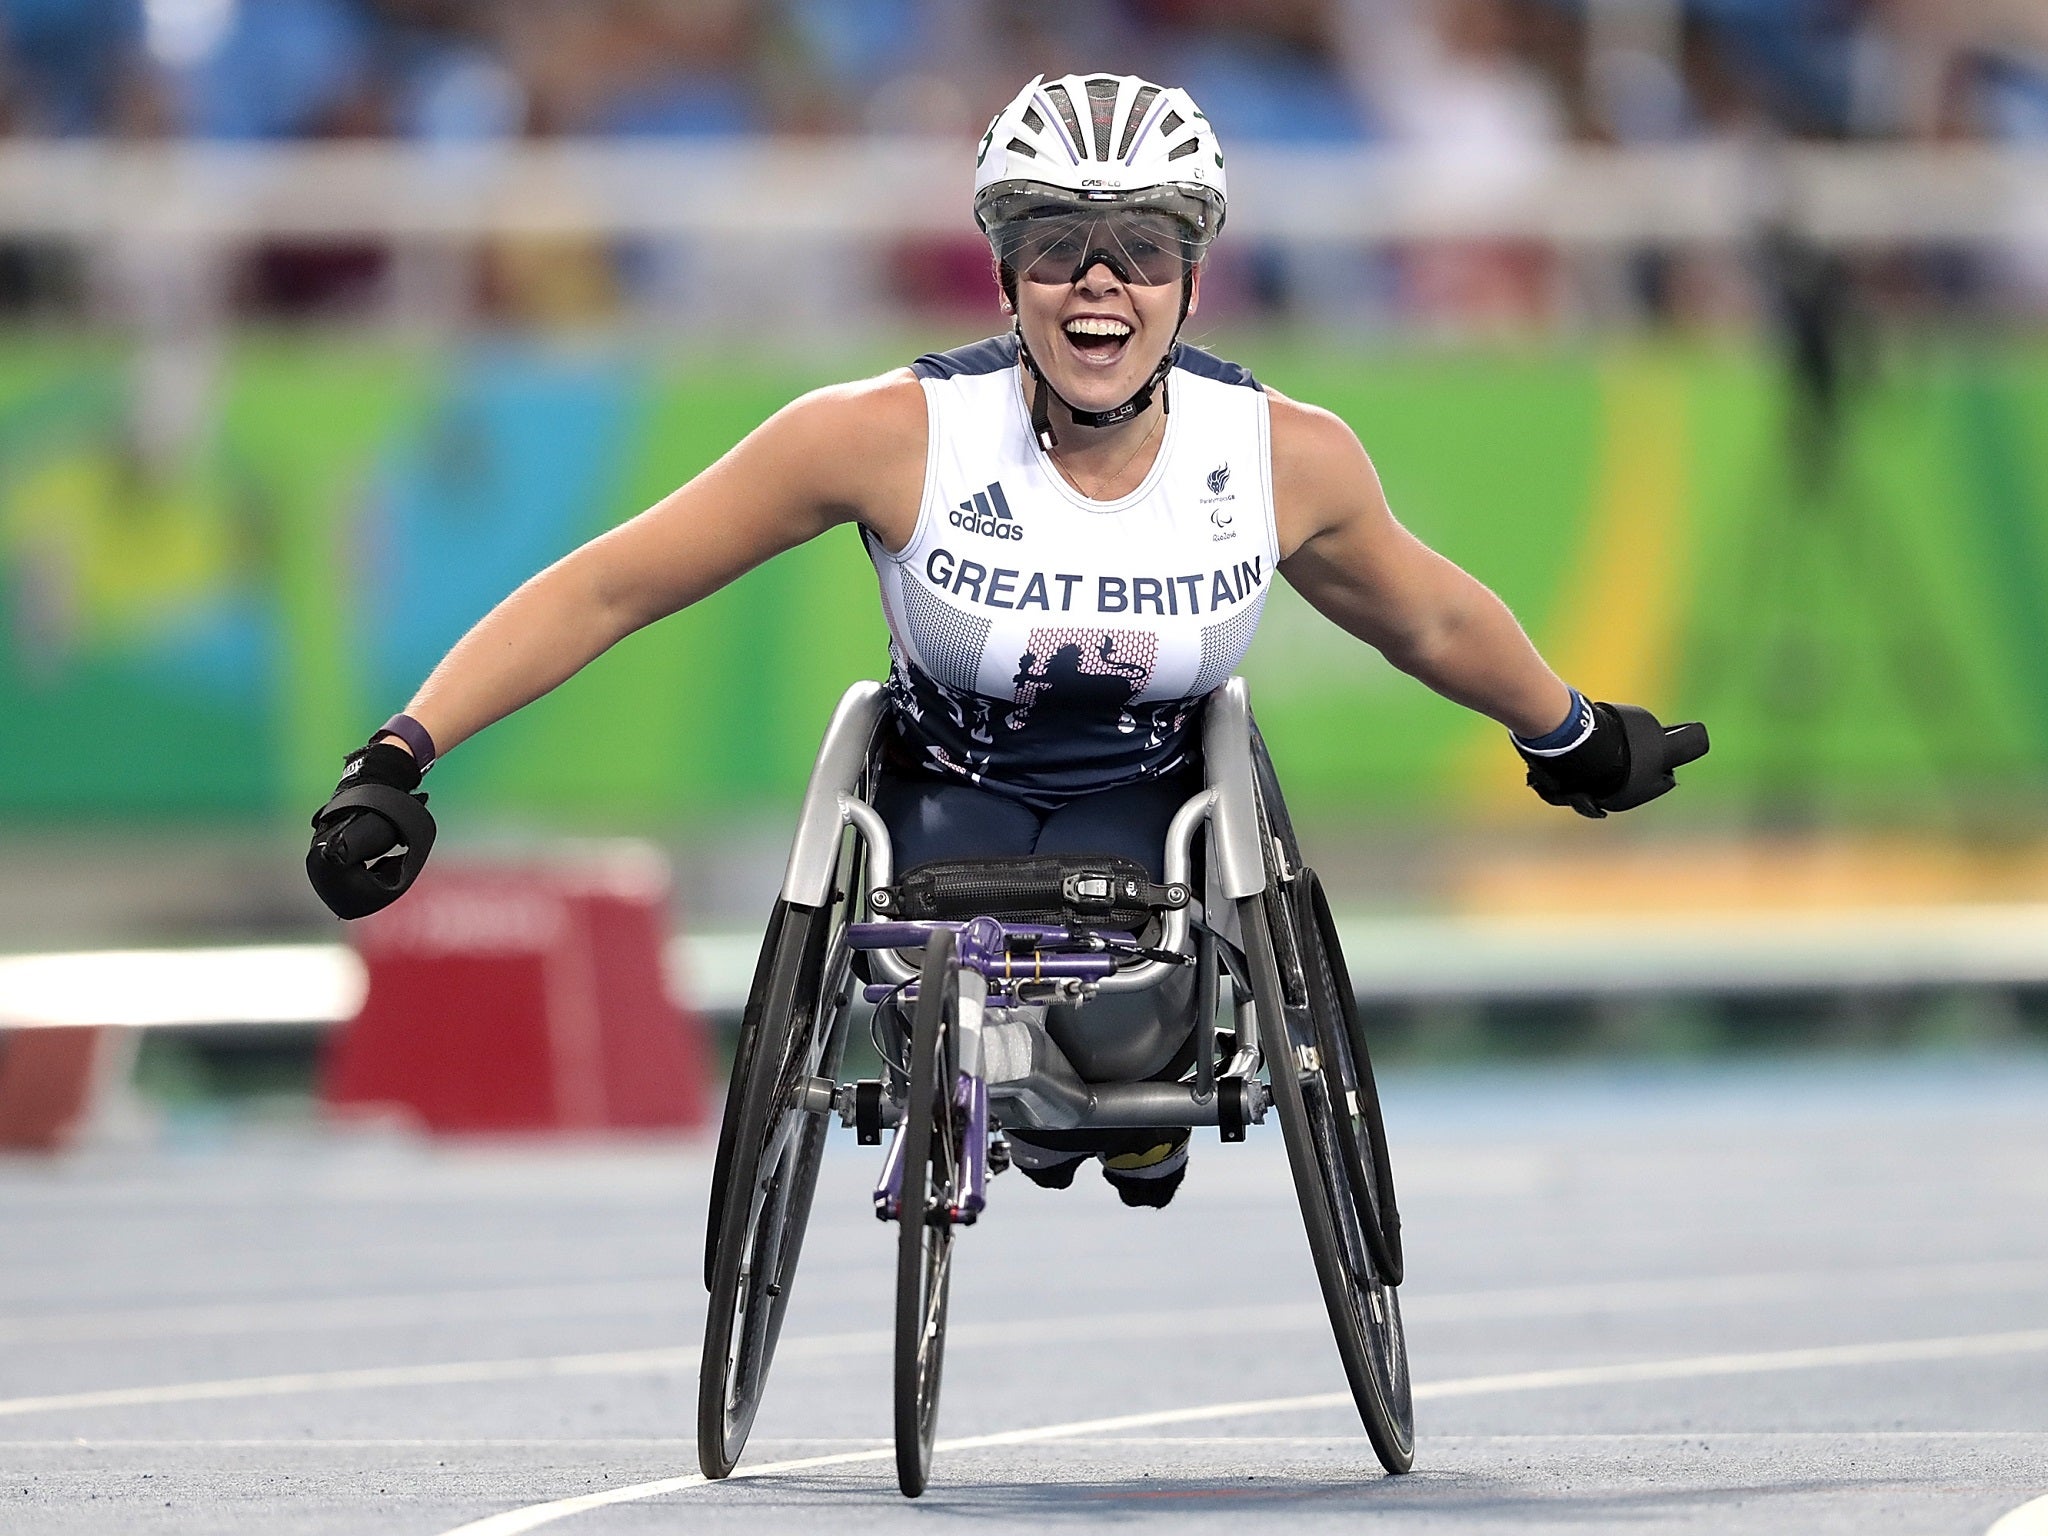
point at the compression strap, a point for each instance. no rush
(413, 734)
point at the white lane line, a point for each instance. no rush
(1599, 1297)
(395, 1310)
(616, 1363)
(2030, 1519)
(1902, 1282)
(686, 1445)
(514, 1522)
(1964, 1347)
(632, 1362)
(412, 1442)
(1680, 1438)
(597, 1298)
(624, 1362)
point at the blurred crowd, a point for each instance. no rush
(1277, 70)
(1482, 90)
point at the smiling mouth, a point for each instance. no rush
(1099, 340)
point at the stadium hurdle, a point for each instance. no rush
(539, 997)
(525, 997)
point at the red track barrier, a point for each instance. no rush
(524, 998)
(49, 1079)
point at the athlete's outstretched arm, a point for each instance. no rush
(853, 452)
(1343, 550)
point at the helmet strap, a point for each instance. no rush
(1045, 394)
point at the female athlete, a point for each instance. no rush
(1075, 526)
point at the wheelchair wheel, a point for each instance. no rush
(736, 1082)
(1314, 976)
(1345, 1061)
(1365, 1312)
(1329, 1118)
(934, 1132)
(770, 1145)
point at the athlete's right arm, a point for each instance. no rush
(850, 453)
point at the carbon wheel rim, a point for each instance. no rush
(1364, 1314)
(1375, 1305)
(1331, 1099)
(931, 1181)
(1352, 1096)
(780, 1166)
(767, 1259)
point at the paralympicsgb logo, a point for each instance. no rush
(1219, 477)
(987, 512)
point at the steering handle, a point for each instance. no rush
(1684, 744)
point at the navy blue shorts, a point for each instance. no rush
(932, 818)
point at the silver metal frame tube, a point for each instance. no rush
(1236, 862)
(1136, 1104)
(867, 821)
(842, 759)
(1173, 931)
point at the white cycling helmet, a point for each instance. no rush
(1084, 149)
(1110, 139)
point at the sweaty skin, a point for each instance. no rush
(855, 453)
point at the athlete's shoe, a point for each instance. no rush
(1047, 1167)
(1150, 1176)
(1054, 1175)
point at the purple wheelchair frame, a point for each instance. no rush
(1008, 958)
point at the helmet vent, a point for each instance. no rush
(1136, 119)
(1063, 104)
(1084, 142)
(1102, 107)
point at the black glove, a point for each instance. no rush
(1626, 760)
(372, 838)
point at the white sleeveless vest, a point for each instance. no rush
(1044, 644)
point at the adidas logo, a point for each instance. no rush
(987, 512)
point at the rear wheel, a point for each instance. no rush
(1347, 1066)
(933, 1153)
(767, 1172)
(743, 1055)
(1365, 1312)
(1329, 1117)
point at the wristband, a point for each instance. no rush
(417, 738)
(1572, 734)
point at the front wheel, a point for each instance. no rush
(933, 1154)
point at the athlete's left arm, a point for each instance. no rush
(1342, 548)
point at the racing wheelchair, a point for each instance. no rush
(963, 960)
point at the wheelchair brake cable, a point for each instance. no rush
(875, 1029)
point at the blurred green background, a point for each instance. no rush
(202, 639)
